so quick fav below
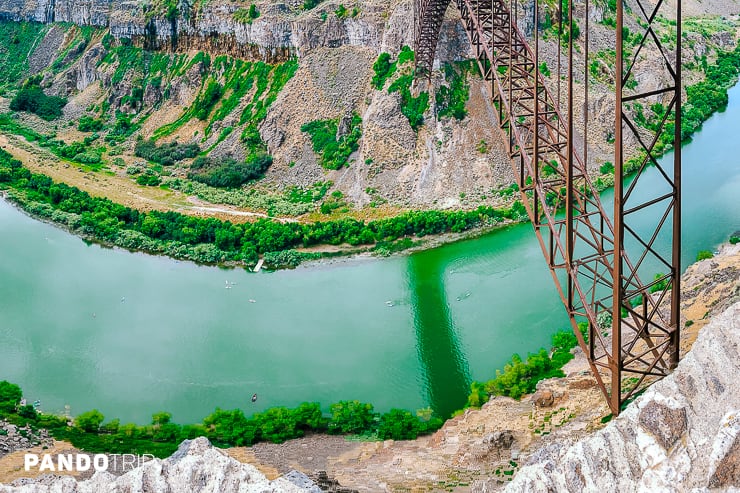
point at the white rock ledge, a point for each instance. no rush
(197, 466)
(681, 435)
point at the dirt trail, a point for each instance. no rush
(118, 187)
(12, 465)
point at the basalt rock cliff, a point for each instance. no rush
(441, 162)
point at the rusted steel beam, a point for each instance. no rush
(586, 250)
(428, 16)
(651, 331)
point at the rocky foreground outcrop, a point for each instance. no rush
(682, 434)
(196, 466)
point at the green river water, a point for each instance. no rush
(132, 334)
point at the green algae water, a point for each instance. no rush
(132, 334)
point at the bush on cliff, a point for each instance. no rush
(10, 396)
(31, 98)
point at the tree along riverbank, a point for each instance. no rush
(89, 431)
(212, 241)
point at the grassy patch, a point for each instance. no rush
(18, 40)
(451, 98)
(334, 152)
(246, 16)
(91, 433)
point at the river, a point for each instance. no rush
(131, 334)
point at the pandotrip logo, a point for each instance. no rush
(84, 462)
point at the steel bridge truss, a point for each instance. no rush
(632, 319)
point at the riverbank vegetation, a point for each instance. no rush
(90, 432)
(232, 428)
(520, 377)
(209, 240)
(222, 181)
(703, 99)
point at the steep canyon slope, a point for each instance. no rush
(298, 92)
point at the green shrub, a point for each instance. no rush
(450, 100)
(79, 152)
(90, 421)
(228, 172)
(90, 124)
(308, 416)
(149, 179)
(383, 69)
(230, 427)
(351, 417)
(734, 240)
(309, 4)
(27, 411)
(88, 157)
(288, 258)
(166, 154)
(606, 168)
(333, 153)
(10, 396)
(662, 285)
(398, 424)
(406, 55)
(413, 108)
(703, 255)
(277, 424)
(31, 98)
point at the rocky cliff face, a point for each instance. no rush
(682, 434)
(435, 167)
(281, 30)
(445, 163)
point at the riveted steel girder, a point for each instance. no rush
(632, 320)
